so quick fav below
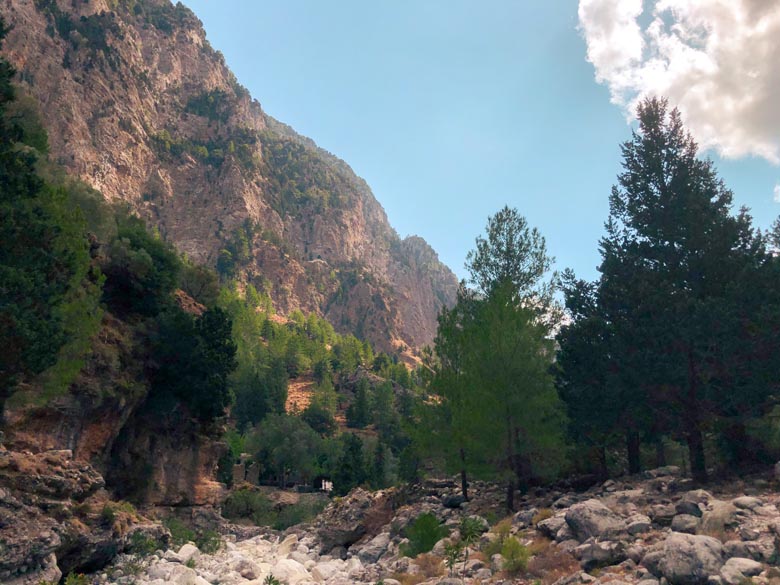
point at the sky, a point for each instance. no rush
(451, 109)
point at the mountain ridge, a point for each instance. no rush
(141, 107)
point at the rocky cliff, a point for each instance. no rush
(139, 105)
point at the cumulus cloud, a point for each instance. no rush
(718, 61)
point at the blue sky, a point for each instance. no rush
(451, 109)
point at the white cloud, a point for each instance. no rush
(777, 193)
(717, 60)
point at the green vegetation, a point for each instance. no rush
(677, 337)
(210, 104)
(423, 534)
(300, 177)
(492, 369)
(253, 505)
(516, 556)
(48, 301)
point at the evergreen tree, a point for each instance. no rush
(677, 317)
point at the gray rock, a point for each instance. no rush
(689, 508)
(551, 526)
(652, 562)
(690, 559)
(747, 503)
(662, 514)
(685, 523)
(188, 552)
(524, 518)
(600, 554)
(638, 524)
(374, 549)
(593, 519)
(668, 471)
(737, 570)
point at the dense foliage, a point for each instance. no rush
(677, 339)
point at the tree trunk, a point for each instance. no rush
(510, 495)
(601, 453)
(632, 445)
(660, 452)
(696, 455)
(695, 439)
(464, 484)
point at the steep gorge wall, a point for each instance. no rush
(140, 106)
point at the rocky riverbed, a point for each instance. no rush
(652, 529)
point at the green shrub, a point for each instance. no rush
(209, 542)
(76, 579)
(515, 555)
(180, 532)
(143, 545)
(423, 534)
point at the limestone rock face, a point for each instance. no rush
(138, 105)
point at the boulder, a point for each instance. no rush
(325, 571)
(551, 526)
(685, 523)
(188, 552)
(374, 549)
(690, 559)
(453, 502)
(688, 508)
(737, 570)
(638, 524)
(592, 519)
(290, 571)
(600, 554)
(747, 503)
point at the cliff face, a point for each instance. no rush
(139, 106)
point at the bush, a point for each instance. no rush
(515, 555)
(248, 504)
(423, 534)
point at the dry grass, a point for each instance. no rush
(550, 563)
(430, 565)
(407, 579)
(721, 534)
(541, 515)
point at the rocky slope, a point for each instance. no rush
(650, 529)
(139, 106)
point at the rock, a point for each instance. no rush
(747, 503)
(187, 553)
(638, 524)
(172, 556)
(690, 559)
(290, 571)
(648, 582)
(593, 519)
(652, 562)
(720, 517)
(565, 533)
(286, 546)
(48, 573)
(325, 571)
(663, 514)
(688, 508)
(342, 523)
(685, 523)
(667, 471)
(551, 526)
(450, 581)
(247, 568)
(600, 554)
(453, 502)
(374, 549)
(736, 570)
(524, 518)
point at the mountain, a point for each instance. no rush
(138, 105)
